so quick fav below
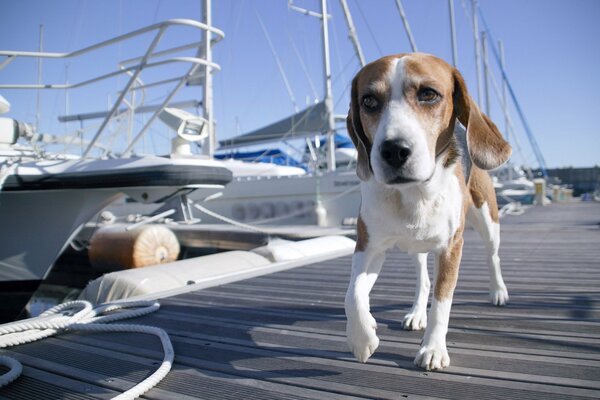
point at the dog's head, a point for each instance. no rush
(402, 114)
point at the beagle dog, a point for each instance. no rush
(421, 179)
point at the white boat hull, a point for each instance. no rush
(44, 203)
(289, 200)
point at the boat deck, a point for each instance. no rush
(282, 336)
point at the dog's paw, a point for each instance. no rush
(499, 296)
(432, 357)
(361, 338)
(415, 320)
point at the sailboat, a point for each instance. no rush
(325, 195)
(329, 196)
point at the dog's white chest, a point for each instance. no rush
(409, 220)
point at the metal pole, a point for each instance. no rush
(352, 33)
(411, 39)
(39, 81)
(328, 91)
(477, 50)
(486, 73)
(208, 144)
(453, 34)
(502, 65)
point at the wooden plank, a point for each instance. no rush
(283, 335)
(36, 384)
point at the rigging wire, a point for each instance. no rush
(277, 61)
(156, 11)
(362, 14)
(411, 39)
(303, 66)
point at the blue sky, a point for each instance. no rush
(552, 53)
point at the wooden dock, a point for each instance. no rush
(282, 336)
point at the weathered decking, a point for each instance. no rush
(282, 336)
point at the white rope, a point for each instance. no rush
(80, 316)
(228, 220)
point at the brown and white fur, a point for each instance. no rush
(415, 193)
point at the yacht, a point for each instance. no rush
(47, 195)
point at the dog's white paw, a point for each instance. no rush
(499, 296)
(432, 357)
(415, 320)
(361, 338)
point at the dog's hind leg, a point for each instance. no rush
(360, 326)
(489, 231)
(416, 319)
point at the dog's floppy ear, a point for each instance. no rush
(487, 148)
(357, 134)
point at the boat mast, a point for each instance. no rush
(453, 33)
(208, 144)
(352, 33)
(411, 39)
(504, 100)
(328, 92)
(477, 52)
(486, 71)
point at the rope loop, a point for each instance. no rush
(80, 315)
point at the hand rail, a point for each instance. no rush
(160, 25)
(192, 60)
(133, 71)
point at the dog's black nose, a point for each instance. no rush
(395, 152)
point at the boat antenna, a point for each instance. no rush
(411, 39)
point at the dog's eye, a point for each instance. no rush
(427, 95)
(370, 103)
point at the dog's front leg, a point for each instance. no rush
(433, 353)
(416, 319)
(360, 325)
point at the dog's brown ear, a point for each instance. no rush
(357, 134)
(487, 147)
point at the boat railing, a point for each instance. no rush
(133, 67)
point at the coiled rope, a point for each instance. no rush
(79, 315)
